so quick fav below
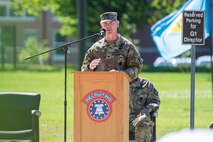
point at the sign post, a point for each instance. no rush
(193, 34)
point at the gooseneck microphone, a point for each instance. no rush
(102, 32)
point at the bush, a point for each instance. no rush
(33, 48)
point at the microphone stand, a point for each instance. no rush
(65, 47)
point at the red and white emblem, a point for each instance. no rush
(99, 105)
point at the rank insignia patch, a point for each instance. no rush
(99, 105)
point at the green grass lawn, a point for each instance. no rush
(174, 91)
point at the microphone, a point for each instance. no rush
(101, 33)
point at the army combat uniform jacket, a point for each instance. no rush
(142, 95)
(120, 55)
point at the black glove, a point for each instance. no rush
(145, 111)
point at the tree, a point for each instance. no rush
(64, 9)
(133, 14)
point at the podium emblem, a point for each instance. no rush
(99, 105)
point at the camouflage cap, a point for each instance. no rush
(108, 16)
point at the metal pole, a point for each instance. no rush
(65, 93)
(82, 28)
(65, 47)
(192, 99)
(14, 46)
(2, 48)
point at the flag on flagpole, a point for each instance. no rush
(166, 33)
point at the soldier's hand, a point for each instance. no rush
(94, 63)
(145, 111)
(146, 84)
(138, 120)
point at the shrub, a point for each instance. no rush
(32, 48)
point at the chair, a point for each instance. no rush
(19, 116)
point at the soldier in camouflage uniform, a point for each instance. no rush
(113, 52)
(143, 100)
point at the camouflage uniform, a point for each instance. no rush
(143, 96)
(120, 55)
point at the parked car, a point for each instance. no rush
(204, 60)
(161, 62)
(183, 61)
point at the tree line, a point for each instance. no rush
(133, 14)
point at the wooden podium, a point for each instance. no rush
(101, 107)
